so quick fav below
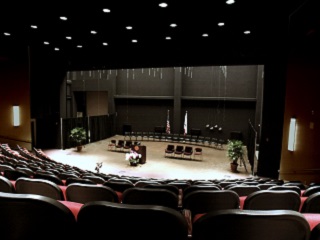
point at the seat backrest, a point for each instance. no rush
(251, 225)
(39, 186)
(118, 186)
(50, 177)
(311, 190)
(71, 180)
(83, 193)
(243, 190)
(6, 185)
(30, 216)
(149, 196)
(193, 188)
(315, 233)
(203, 201)
(171, 188)
(96, 179)
(143, 222)
(14, 174)
(293, 188)
(273, 200)
(312, 204)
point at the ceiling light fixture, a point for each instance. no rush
(247, 32)
(56, 49)
(93, 32)
(106, 10)
(79, 46)
(220, 24)
(134, 40)
(163, 5)
(168, 38)
(205, 35)
(68, 37)
(105, 44)
(173, 25)
(7, 34)
(46, 43)
(63, 18)
(129, 27)
(34, 26)
(230, 2)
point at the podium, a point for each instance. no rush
(140, 149)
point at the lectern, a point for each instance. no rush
(140, 149)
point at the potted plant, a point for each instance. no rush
(133, 158)
(235, 153)
(78, 135)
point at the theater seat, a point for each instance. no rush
(273, 200)
(6, 185)
(251, 225)
(126, 221)
(29, 216)
(39, 186)
(83, 193)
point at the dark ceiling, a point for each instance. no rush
(277, 29)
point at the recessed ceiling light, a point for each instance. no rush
(106, 10)
(63, 18)
(205, 35)
(168, 38)
(105, 44)
(220, 24)
(247, 32)
(93, 32)
(56, 49)
(230, 2)
(34, 26)
(79, 46)
(163, 5)
(46, 43)
(173, 25)
(129, 27)
(68, 37)
(7, 34)
(134, 40)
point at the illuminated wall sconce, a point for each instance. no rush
(292, 134)
(16, 116)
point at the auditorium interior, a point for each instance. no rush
(155, 74)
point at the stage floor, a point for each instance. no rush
(214, 164)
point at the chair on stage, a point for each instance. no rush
(179, 151)
(188, 151)
(120, 145)
(198, 153)
(169, 151)
(112, 144)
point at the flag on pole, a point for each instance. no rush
(168, 124)
(185, 124)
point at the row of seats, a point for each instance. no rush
(183, 186)
(175, 137)
(181, 151)
(28, 216)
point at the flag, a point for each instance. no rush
(168, 123)
(185, 124)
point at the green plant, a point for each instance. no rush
(235, 150)
(78, 135)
